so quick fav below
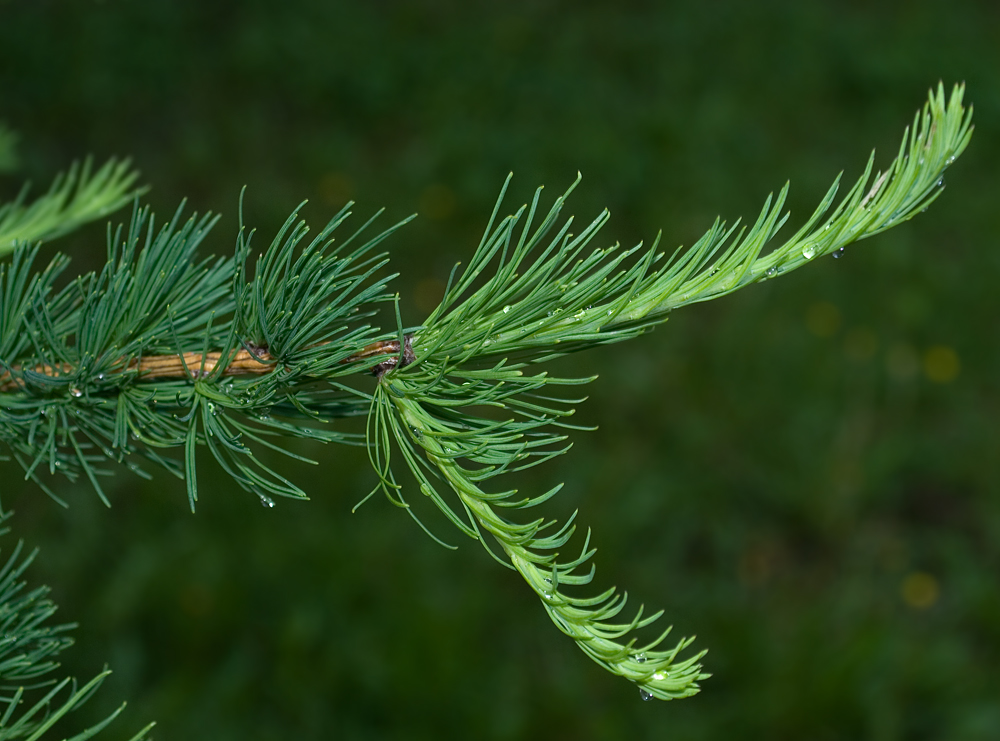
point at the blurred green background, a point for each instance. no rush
(805, 474)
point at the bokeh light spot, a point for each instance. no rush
(941, 364)
(920, 590)
(901, 362)
(823, 319)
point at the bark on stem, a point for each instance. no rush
(195, 365)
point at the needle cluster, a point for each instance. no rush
(30, 701)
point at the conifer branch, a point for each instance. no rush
(461, 397)
(30, 704)
(196, 365)
(74, 198)
(547, 298)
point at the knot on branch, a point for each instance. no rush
(391, 348)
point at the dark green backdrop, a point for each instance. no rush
(779, 470)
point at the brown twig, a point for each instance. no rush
(196, 365)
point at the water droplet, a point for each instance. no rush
(659, 675)
(827, 227)
(266, 501)
(415, 431)
(809, 251)
(647, 696)
(640, 658)
(940, 182)
(100, 376)
(950, 160)
(923, 210)
(506, 309)
(771, 272)
(75, 393)
(838, 253)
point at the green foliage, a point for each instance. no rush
(155, 297)
(470, 408)
(75, 198)
(564, 301)
(30, 703)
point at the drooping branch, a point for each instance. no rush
(548, 294)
